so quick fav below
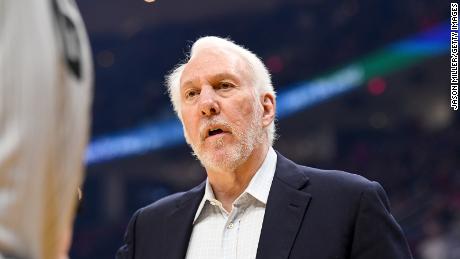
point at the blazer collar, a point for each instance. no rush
(179, 224)
(286, 207)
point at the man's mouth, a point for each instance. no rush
(215, 131)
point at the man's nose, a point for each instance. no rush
(208, 102)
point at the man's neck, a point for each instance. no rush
(228, 185)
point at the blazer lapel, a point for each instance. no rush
(286, 207)
(178, 226)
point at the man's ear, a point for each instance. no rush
(269, 107)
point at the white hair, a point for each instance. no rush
(260, 75)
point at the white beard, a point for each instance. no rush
(221, 157)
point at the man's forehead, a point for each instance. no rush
(212, 62)
(211, 56)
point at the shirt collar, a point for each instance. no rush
(259, 186)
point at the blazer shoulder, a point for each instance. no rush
(338, 181)
(169, 203)
(320, 179)
(164, 204)
(338, 176)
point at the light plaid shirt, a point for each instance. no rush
(218, 234)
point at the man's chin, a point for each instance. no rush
(219, 159)
(217, 155)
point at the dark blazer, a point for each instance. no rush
(310, 214)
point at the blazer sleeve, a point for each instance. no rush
(377, 235)
(127, 250)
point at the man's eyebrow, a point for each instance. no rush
(224, 75)
(187, 83)
(215, 77)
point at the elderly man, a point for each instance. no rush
(255, 203)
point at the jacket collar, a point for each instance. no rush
(179, 224)
(286, 207)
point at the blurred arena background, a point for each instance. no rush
(363, 86)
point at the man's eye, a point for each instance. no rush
(225, 85)
(191, 94)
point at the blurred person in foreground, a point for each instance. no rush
(45, 95)
(255, 202)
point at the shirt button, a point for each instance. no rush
(213, 203)
(230, 226)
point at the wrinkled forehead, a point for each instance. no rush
(207, 62)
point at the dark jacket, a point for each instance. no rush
(310, 214)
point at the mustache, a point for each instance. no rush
(215, 121)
